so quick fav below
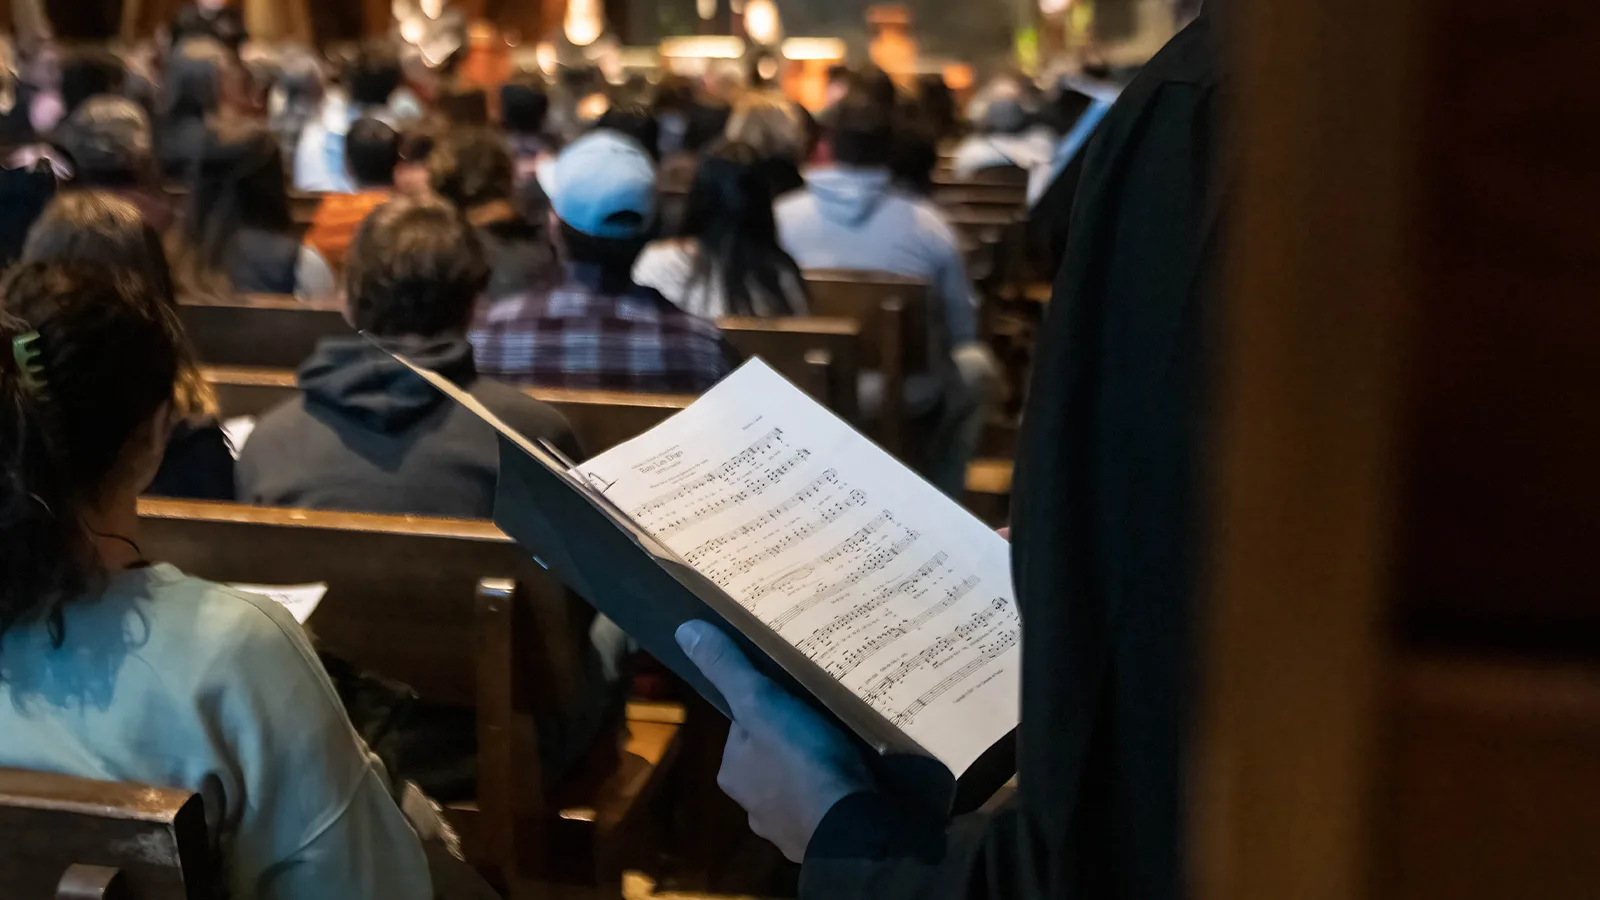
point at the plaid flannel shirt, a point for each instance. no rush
(583, 335)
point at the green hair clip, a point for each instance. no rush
(30, 371)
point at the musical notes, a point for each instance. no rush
(884, 584)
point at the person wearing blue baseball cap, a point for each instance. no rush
(597, 329)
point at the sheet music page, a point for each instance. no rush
(301, 600)
(881, 580)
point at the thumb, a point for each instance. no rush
(724, 665)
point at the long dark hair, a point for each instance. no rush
(729, 214)
(237, 184)
(103, 229)
(88, 359)
(194, 76)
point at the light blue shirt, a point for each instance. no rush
(172, 681)
(852, 219)
(319, 163)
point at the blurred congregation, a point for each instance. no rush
(1002, 261)
(216, 240)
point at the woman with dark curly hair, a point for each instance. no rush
(112, 663)
(473, 169)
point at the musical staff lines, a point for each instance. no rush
(852, 658)
(723, 572)
(987, 653)
(861, 555)
(858, 565)
(745, 477)
(772, 516)
(994, 629)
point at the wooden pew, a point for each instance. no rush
(991, 196)
(893, 312)
(67, 837)
(1005, 176)
(600, 419)
(821, 355)
(272, 331)
(277, 332)
(458, 611)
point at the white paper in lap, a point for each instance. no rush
(301, 600)
(881, 580)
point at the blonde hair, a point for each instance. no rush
(769, 123)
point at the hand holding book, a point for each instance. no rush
(853, 585)
(786, 765)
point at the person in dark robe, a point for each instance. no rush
(1104, 561)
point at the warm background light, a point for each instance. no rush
(585, 22)
(762, 23)
(703, 46)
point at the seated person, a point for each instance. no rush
(33, 91)
(417, 141)
(366, 434)
(636, 121)
(598, 329)
(674, 99)
(369, 81)
(728, 262)
(849, 217)
(294, 96)
(100, 228)
(524, 104)
(237, 234)
(212, 19)
(87, 72)
(109, 141)
(472, 168)
(203, 81)
(704, 126)
(1006, 136)
(768, 122)
(372, 151)
(117, 667)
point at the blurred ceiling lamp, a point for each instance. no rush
(762, 23)
(545, 54)
(703, 46)
(1054, 7)
(585, 22)
(593, 106)
(707, 9)
(813, 48)
(433, 9)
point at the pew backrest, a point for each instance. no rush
(600, 419)
(821, 355)
(62, 837)
(271, 331)
(897, 337)
(401, 589)
(453, 608)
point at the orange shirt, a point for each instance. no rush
(334, 226)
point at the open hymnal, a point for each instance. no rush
(840, 571)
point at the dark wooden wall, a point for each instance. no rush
(1403, 687)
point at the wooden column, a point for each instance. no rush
(1402, 698)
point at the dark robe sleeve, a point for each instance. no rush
(1101, 558)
